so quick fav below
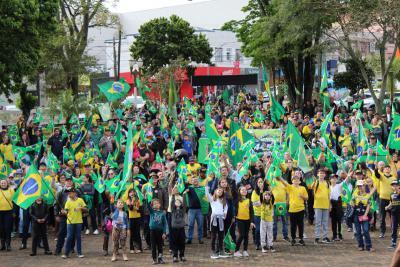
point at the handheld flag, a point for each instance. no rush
(211, 131)
(114, 90)
(259, 116)
(128, 160)
(52, 162)
(228, 242)
(237, 138)
(346, 193)
(172, 98)
(326, 127)
(30, 189)
(80, 136)
(323, 91)
(357, 105)
(280, 208)
(394, 135)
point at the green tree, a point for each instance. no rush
(283, 34)
(161, 40)
(352, 78)
(379, 19)
(24, 25)
(65, 59)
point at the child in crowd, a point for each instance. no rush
(244, 215)
(297, 196)
(107, 230)
(39, 212)
(177, 230)
(219, 210)
(135, 221)
(74, 207)
(158, 229)
(266, 225)
(119, 231)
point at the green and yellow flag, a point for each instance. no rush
(80, 136)
(4, 168)
(30, 189)
(394, 135)
(128, 160)
(114, 90)
(52, 162)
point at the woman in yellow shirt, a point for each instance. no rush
(6, 149)
(6, 212)
(297, 196)
(321, 206)
(135, 221)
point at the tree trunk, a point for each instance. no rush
(309, 70)
(73, 83)
(290, 77)
(300, 79)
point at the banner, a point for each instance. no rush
(264, 138)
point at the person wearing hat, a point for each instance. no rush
(361, 202)
(394, 208)
(39, 213)
(73, 209)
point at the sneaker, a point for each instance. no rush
(81, 256)
(96, 232)
(302, 243)
(304, 236)
(264, 249)
(87, 232)
(392, 246)
(125, 257)
(201, 242)
(360, 249)
(175, 259)
(64, 256)
(188, 242)
(272, 249)
(370, 249)
(286, 239)
(183, 259)
(132, 251)
(214, 256)
(340, 237)
(105, 253)
(326, 240)
(245, 253)
(237, 254)
(349, 229)
(316, 241)
(48, 253)
(223, 255)
(382, 236)
(155, 262)
(258, 247)
(161, 261)
(293, 242)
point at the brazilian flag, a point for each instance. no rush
(48, 192)
(237, 138)
(13, 134)
(19, 152)
(80, 136)
(30, 189)
(100, 185)
(67, 155)
(4, 168)
(280, 209)
(114, 90)
(52, 162)
(228, 242)
(113, 185)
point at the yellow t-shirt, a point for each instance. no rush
(385, 189)
(6, 150)
(321, 195)
(6, 199)
(133, 214)
(255, 199)
(266, 212)
(345, 141)
(279, 192)
(193, 168)
(364, 198)
(243, 212)
(296, 203)
(74, 217)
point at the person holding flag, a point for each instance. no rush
(6, 214)
(394, 208)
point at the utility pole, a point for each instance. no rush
(119, 52)
(115, 61)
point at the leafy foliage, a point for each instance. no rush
(161, 40)
(67, 103)
(352, 78)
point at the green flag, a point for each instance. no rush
(52, 162)
(67, 155)
(118, 139)
(259, 116)
(346, 193)
(357, 105)
(114, 90)
(211, 131)
(226, 97)
(394, 135)
(13, 133)
(100, 185)
(113, 184)
(50, 126)
(293, 139)
(38, 118)
(280, 208)
(266, 80)
(105, 111)
(203, 150)
(172, 98)
(19, 152)
(326, 127)
(59, 118)
(110, 162)
(74, 119)
(276, 110)
(302, 161)
(237, 138)
(128, 160)
(362, 141)
(158, 158)
(30, 189)
(228, 242)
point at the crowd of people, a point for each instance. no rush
(345, 188)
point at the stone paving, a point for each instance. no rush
(337, 254)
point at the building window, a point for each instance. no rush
(238, 55)
(228, 54)
(218, 54)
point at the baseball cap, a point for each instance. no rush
(360, 183)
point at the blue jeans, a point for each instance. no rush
(284, 226)
(73, 233)
(195, 215)
(257, 221)
(362, 233)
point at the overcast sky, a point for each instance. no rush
(136, 5)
